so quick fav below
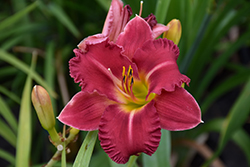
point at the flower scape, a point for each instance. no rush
(131, 86)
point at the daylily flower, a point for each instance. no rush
(115, 22)
(131, 88)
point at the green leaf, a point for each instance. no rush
(130, 163)
(24, 125)
(226, 85)
(220, 26)
(17, 16)
(237, 116)
(105, 4)
(235, 119)
(63, 156)
(8, 115)
(10, 95)
(84, 154)
(161, 10)
(7, 156)
(9, 58)
(7, 133)
(219, 63)
(162, 155)
(242, 139)
(64, 19)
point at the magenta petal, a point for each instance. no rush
(136, 32)
(93, 68)
(156, 62)
(116, 19)
(177, 110)
(124, 133)
(158, 29)
(84, 111)
(94, 39)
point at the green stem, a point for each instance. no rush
(58, 153)
(54, 136)
(54, 159)
(132, 161)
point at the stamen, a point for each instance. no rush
(131, 87)
(123, 71)
(141, 4)
(127, 83)
(114, 79)
(123, 83)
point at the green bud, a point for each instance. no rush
(42, 103)
(174, 32)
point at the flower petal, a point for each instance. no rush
(156, 62)
(158, 29)
(93, 68)
(94, 39)
(84, 111)
(116, 19)
(136, 32)
(124, 133)
(178, 110)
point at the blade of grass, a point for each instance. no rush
(104, 3)
(7, 156)
(24, 125)
(242, 139)
(8, 115)
(63, 156)
(161, 10)
(10, 95)
(17, 16)
(7, 133)
(190, 54)
(162, 155)
(8, 44)
(84, 154)
(49, 69)
(9, 58)
(130, 163)
(7, 71)
(225, 86)
(207, 46)
(235, 119)
(220, 62)
(64, 19)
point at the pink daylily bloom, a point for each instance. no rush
(131, 88)
(114, 24)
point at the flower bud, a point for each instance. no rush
(174, 32)
(42, 103)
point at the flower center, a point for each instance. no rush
(133, 91)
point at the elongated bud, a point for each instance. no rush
(174, 32)
(42, 103)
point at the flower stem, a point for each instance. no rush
(54, 136)
(70, 138)
(132, 161)
(54, 159)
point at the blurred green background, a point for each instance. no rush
(36, 43)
